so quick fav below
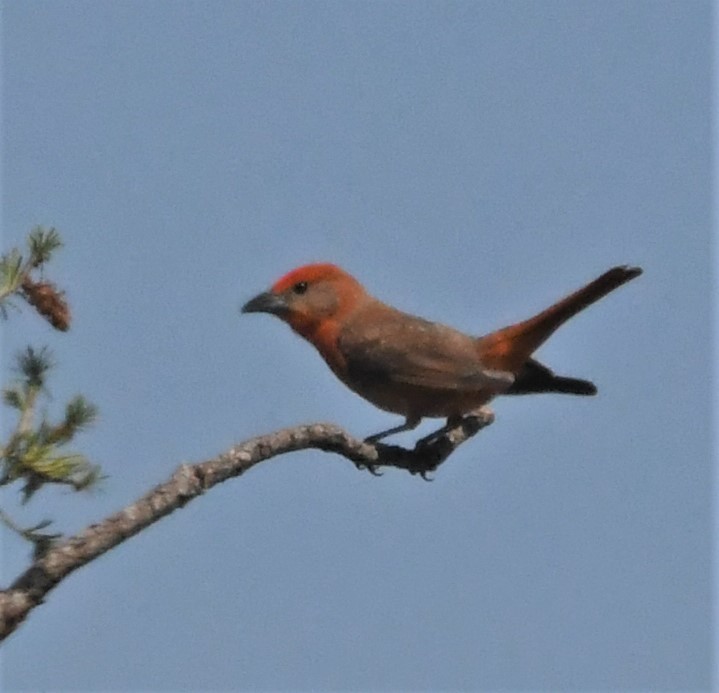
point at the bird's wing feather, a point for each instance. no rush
(383, 348)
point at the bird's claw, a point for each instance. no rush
(423, 469)
(371, 468)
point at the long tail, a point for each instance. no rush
(509, 349)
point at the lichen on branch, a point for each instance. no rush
(192, 480)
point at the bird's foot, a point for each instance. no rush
(423, 471)
(373, 469)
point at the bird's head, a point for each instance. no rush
(309, 297)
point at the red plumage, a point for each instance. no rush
(414, 367)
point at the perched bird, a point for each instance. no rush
(417, 368)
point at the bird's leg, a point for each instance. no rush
(452, 422)
(409, 425)
(481, 416)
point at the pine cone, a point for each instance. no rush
(48, 301)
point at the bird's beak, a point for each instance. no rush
(266, 302)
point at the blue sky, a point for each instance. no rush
(468, 161)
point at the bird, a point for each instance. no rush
(417, 368)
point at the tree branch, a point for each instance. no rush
(192, 480)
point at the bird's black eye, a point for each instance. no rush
(299, 288)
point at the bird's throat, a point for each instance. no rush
(323, 336)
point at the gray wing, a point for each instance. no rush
(389, 346)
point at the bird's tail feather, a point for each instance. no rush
(509, 348)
